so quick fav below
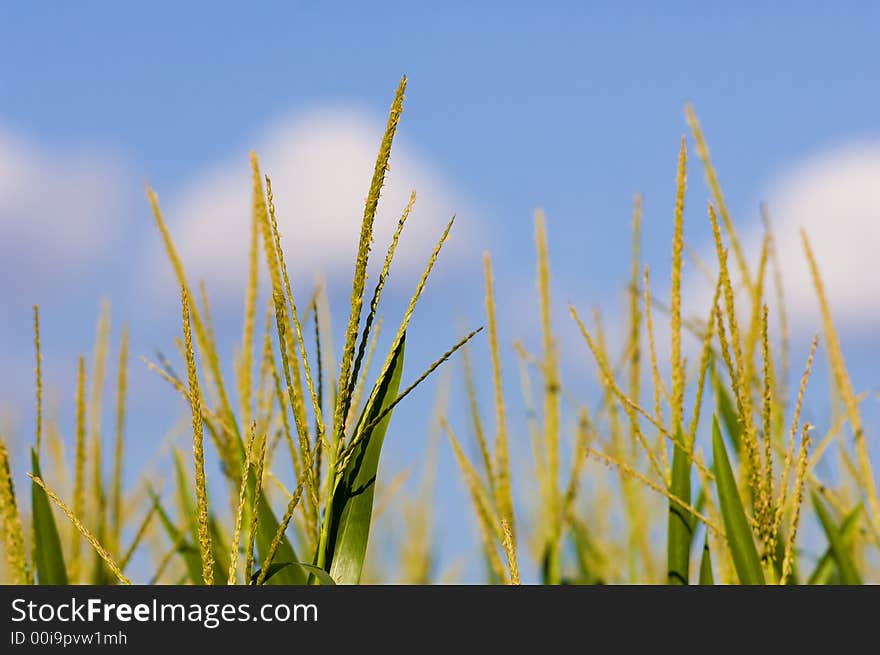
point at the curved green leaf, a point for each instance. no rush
(277, 567)
(848, 573)
(267, 526)
(190, 554)
(50, 565)
(729, 418)
(681, 525)
(825, 566)
(353, 496)
(739, 533)
(706, 577)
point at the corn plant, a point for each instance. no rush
(736, 513)
(334, 445)
(699, 476)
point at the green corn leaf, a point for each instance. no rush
(220, 550)
(305, 569)
(729, 418)
(739, 533)
(681, 525)
(585, 553)
(50, 566)
(190, 554)
(266, 529)
(706, 577)
(700, 504)
(267, 526)
(825, 566)
(848, 573)
(185, 496)
(353, 496)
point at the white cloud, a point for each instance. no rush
(320, 165)
(833, 196)
(58, 209)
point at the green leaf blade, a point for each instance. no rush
(50, 566)
(727, 410)
(706, 577)
(680, 526)
(267, 526)
(353, 496)
(739, 533)
(825, 566)
(848, 572)
(188, 552)
(278, 567)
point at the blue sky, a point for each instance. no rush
(510, 106)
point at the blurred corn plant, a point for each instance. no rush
(37, 549)
(732, 513)
(332, 431)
